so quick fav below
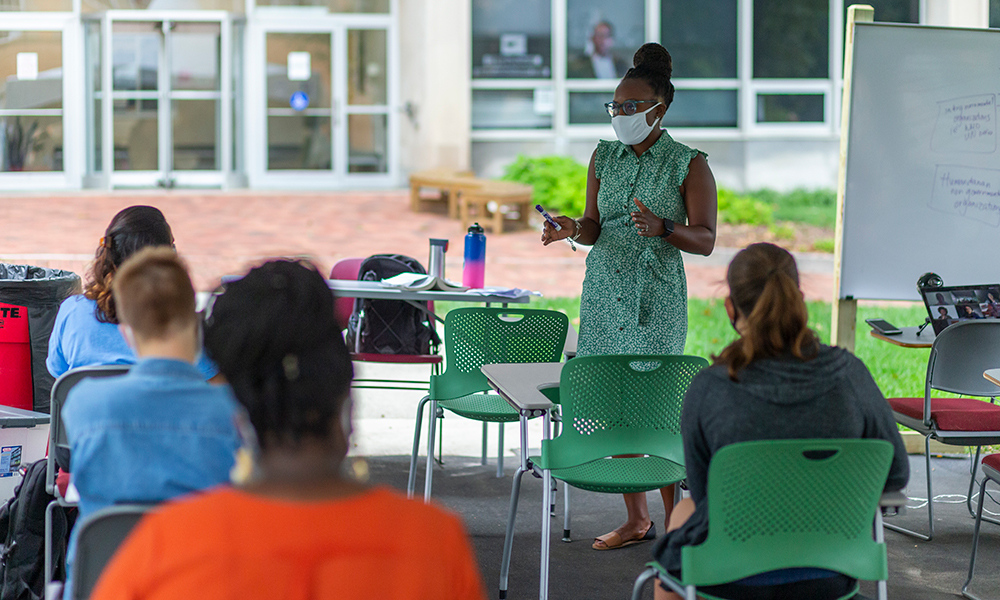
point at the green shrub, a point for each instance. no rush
(559, 182)
(783, 231)
(815, 207)
(737, 209)
(824, 245)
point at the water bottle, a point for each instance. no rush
(474, 271)
(436, 264)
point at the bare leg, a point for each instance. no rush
(681, 513)
(667, 494)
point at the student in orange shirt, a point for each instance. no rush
(299, 528)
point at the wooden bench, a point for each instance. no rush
(474, 204)
(450, 183)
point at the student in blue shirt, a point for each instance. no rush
(161, 430)
(85, 332)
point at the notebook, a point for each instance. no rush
(948, 305)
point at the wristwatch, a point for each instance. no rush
(668, 228)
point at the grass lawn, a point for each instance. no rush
(898, 371)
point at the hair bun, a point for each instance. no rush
(654, 57)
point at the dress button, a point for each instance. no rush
(617, 270)
(619, 299)
(621, 329)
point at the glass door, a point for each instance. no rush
(324, 102)
(166, 121)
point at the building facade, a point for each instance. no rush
(349, 94)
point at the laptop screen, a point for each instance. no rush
(947, 305)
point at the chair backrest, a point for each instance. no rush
(98, 537)
(58, 442)
(482, 336)
(346, 268)
(622, 404)
(959, 356)
(778, 504)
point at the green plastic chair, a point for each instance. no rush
(780, 504)
(613, 405)
(481, 336)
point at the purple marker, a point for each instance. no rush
(554, 224)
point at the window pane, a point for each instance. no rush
(135, 55)
(366, 66)
(602, 36)
(90, 6)
(366, 144)
(195, 135)
(790, 108)
(136, 135)
(299, 142)
(30, 69)
(994, 13)
(890, 11)
(511, 38)
(513, 109)
(702, 108)
(701, 37)
(587, 108)
(31, 143)
(791, 39)
(194, 56)
(298, 62)
(334, 6)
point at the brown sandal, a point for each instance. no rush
(613, 541)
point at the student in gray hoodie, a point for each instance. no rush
(776, 381)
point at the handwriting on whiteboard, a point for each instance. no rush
(967, 191)
(966, 124)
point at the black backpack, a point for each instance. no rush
(22, 529)
(389, 326)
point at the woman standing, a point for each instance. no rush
(648, 198)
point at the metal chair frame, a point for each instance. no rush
(99, 536)
(989, 474)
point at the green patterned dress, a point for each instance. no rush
(634, 298)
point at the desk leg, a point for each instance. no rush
(543, 579)
(500, 451)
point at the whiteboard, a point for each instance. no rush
(922, 187)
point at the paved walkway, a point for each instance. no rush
(222, 233)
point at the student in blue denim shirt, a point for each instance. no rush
(159, 431)
(86, 332)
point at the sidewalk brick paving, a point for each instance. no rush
(222, 233)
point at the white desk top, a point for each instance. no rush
(521, 384)
(909, 337)
(374, 290)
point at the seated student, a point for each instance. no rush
(776, 381)
(85, 331)
(161, 430)
(299, 528)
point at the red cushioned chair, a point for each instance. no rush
(348, 269)
(959, 356)
(991, 472)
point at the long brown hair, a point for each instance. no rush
(131, 230)
(764, 289)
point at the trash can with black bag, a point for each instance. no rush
(29, 302)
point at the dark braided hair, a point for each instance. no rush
(275, 337)
(131, 230)
(653, 65)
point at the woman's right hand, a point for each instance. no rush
(549, 233)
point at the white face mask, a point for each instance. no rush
(633, 129)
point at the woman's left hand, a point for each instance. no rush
(646, 223)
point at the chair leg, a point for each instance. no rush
(930, 501)
(412, 480)
(552, 498)
(566, 538)
(975, 542)
(48, 573)
(508, 540)
(972, 486)
(429, 477)
(543, 579)
(640, 582)
(500, 451)
(484, 460)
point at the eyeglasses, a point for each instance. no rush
(627, 108)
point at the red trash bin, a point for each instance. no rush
(16, 387)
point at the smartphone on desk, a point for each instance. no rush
(884, 327)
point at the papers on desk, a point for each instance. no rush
(415, 282)
(503, 292)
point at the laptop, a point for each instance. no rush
(948, 305)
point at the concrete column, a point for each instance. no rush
(435, 79)
(957, 13)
